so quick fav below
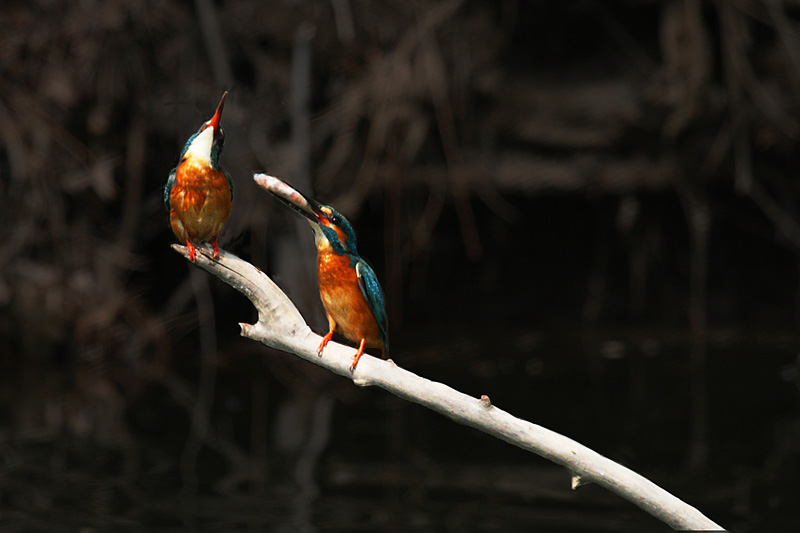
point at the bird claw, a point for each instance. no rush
(324, 342)
(192, 253)
(358, 355)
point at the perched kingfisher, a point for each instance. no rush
(348, 286)
(199, 192)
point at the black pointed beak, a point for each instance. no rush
(291, 197)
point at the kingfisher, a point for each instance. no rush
(348, 287)
(199, 192)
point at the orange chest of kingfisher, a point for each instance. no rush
(344, 299)
(199, 192)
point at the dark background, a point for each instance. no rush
(586, 210)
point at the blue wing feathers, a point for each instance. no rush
(371, 289)
(230, 182)
(168, 187)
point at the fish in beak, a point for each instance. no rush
(291, 197)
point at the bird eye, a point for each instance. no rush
(335, 220)
(221, 137)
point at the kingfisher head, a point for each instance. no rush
(205, 145)
(332, 231)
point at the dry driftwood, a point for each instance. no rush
(280, 325)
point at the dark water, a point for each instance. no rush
(368, 461)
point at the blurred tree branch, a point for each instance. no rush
(280, 325)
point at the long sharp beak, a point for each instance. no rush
(291, 197)
(214, 122)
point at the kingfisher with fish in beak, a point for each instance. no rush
(348, 287)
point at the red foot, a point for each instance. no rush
(192, 254)
(216, 249)
(325, 341)
(358, 355)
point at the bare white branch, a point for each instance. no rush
(281, 326)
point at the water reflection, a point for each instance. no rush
(369, 461)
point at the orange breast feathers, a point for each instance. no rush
(343, 300)
(200, 202)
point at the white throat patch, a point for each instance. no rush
(320, 240)
(200, 149)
